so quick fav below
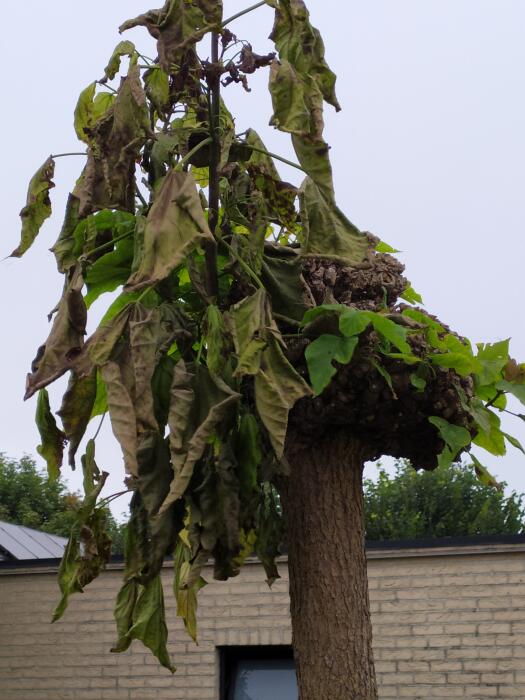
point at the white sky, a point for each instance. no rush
(428, 153)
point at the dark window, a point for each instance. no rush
(258, 673)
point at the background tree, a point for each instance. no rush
(262, 348)
(447, 502)
(28, 497)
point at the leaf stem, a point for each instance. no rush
(244, 266)
(244, 12)
(273, 155)
(99, 426)
(107, 245)
(63, 155)
(182, 162)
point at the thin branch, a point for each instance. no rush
(107, 245)
(274, 155)
(141, 197)
(244, 12)
(182, 162)
(63, 155)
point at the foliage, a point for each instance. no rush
(193, 361)
(447, 502)
(28, 497)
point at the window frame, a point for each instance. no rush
(231, 655)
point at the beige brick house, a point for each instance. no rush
(449, 622)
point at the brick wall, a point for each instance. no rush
(448, 623)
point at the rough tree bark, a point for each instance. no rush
(323, 507)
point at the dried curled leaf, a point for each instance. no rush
(123, 48)
(76, 409)
(115, 140)
(63, 347)
(53, 439)
(38, 206)
(174, 227)
(178, 26)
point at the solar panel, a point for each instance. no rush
(24, 543)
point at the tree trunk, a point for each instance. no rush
(332, 633)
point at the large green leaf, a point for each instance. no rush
(492, 440)
(455, 437)
(53, 439)
(175, 226)
(38, 206)
(326, 230)
(109, 271)
(321, 354)
(492, 359)
(149, 620)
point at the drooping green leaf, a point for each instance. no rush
(123, 48)
(216, 340)
(514, 442)
(248, 453)
(124, 607)
(157, 86)
(53, 439)
(455, 437)
(326, 231)
(282, 277)
(64, 246)
(149, 621)
(101, 344)
(320, 355)
(200, 404)
(270, 531)
(185, 596)
(122, 414)
(38, 206)
(277, 389)
(174, 227)
(492, 440)
(247, 321)
(77, 409)
(100, 405)
(89, 109)
(385, 374)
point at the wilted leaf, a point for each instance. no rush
(38, 206)
(248, 321)
(124, 607)
(270, 531)
(484, 475)
(89, 109)
(320, 355)
(178, 26)
(157, 86)
(64, 246)
(200, 405)
(149, 620)
(217, 343)
(101, 344)
(115, 140)
(186, 597)
(53, 439)
(123, 48)
(277, 388)
(326, 230)
(77, 408)
(174, 227)
(122, 414)
(66, 339)
(282, 277)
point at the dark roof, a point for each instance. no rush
(21, 543)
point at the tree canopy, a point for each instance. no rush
(28, 497)
(447, 502)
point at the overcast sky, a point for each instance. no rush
(428, 153)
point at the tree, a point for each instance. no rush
(447, 502)
(29, 498)
(278, 345)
